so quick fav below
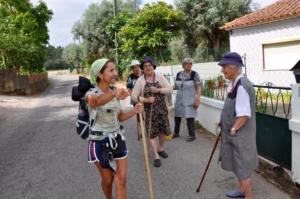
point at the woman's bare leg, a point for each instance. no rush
(120, 179)
(106, 180)
(154, 148)
(162, 138)
(245, 186)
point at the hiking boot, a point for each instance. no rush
(175, 135)
(162, 154)
(190, 138)
(157, 163)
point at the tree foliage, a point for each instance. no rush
(205, 17)
(24, 33)
(73, 55)
(54, 59)
(151, 29)
(91, 29)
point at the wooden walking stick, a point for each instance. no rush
(149, 130)
(212, 153)
(137, 127)
(145, 153)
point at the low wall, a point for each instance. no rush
(205, 70)
(10, 82)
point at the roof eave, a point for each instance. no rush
(260, 23)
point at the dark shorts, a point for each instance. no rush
(94, 152)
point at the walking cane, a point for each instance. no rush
(145, 153)
(212, 153)
(149, 130)
(137, 127)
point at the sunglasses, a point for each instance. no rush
(189, 63)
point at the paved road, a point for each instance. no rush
(41, 156)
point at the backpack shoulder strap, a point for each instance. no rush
(193, 75)
(177, 76)
(112, 87)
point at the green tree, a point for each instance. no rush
(90, 29)
(54, 59)
(150, 30)
(24, 33)
(205, 17)
(73, 55)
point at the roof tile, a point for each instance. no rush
(277, 11)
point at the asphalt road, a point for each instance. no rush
(41, 156)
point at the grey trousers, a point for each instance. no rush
(190, 125)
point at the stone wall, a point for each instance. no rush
(10, 82)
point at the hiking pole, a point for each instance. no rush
(149, 129)
(212, 153)
(145, 153)
(137, 127)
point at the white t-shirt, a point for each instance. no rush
(242, 101)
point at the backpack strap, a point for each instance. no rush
(177, 76)
(193, 73)
(94, 111)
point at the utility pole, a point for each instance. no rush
(116, 42)
(244, 57)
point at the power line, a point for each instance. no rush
(62, 40)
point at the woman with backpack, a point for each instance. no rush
(107, 148)
(188, 86)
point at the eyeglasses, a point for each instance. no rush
(147, 66)
(189, 63)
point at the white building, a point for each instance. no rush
(270, 40)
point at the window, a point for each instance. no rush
(281, 53)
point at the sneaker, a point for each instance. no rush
(175, 135)
(190, 138)
(162, 154)
(157, 163)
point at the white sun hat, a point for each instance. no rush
(134, 62)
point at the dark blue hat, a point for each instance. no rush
(146, 59)
(231, 58)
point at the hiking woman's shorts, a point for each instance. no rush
(94, 152)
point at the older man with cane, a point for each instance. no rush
(238, 152)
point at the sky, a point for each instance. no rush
(66, 12)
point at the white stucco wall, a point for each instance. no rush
(205, 70)
(294, 125)
(247, 41)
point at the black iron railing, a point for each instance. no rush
(214, 89)
(271, 100)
